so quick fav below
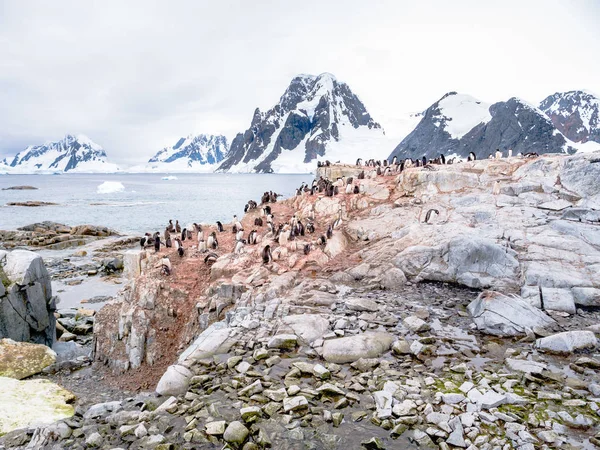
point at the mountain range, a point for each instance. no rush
(319, 118)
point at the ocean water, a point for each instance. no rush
(136, 203)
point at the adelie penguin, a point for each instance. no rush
(472, 157)
(329, 232)
(239, 247)
(356, 189)
(267, 257)
(442, 158)
(212, 242)
(239, 235)
(428, 215)
(180, 249)
(211, 258)
(258, 222)
(322, 240)
(219, 226)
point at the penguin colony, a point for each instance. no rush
(273, 233)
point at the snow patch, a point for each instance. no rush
(462, 113)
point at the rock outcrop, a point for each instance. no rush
(26, 303)
(53, 236)
(21, 359)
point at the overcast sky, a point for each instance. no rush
(136, 75)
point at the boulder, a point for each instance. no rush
(308, 327)
(502, 315)
(337, 244)
(352, 348)
(212, 341)
(567, 342)
(393, 278)
(26, 302)
(283, 341)
(175, 381)
(31, 403)
(21, 360)
(236, 433)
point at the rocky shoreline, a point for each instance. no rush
(474, 329)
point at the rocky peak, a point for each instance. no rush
(576, 114)
(310, 115)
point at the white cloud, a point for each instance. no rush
(136, 75)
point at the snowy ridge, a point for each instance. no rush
(194, 153)
(313, 116)
(71, 154)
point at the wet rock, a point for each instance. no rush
(350, 349)
(20, 360)
(567, 342)
(283, 341)
(294, 403)
(236, 433)
(501, 315)
(175, 381)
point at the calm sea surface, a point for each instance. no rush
(146, 202)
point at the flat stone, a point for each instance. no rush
(21, 359)
(294, 403)
(491, 399)
(31, 403)
(567, 342)
(362, 304)
(250, 413)
(236, 433)
(383, 402)
(216, 428)
(521, 365)
(308, 327)
(415, 324)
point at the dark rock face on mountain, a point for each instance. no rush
(510, 125)
(71, 153)
(202, 149)
(309, 116)
(576, 114)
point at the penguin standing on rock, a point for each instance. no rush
(211, 258)
(428, 215)
(177, 227)
(219, 226)
(267, 257)
(472, 157)
(180, 250)
(212, 242)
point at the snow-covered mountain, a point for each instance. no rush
(317, 117)
(576, 114)
(201, 153)
(458, 124)
(71, 154)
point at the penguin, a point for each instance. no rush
(329, 232)
(258, 222)
(267, 257)
(183, 234)
(202, 246)
(200, 235)
(177, 227)
(143, 241)
(165, 265)
(167, 238)
(237, 224)
(361, 175)
(356, 189)
(252, 237)
(239, 235)
(336, 190)
(387, 171)
(171, 226)
(472, 157)
(180, 250)
(424, 160)
(310, 227)
(442, 158)
(211, 258)
(266, 210)
(428, 215)
(338, 222)
(378, 170)
(509, 152)
(157, 242)
(270, 218)
(306, 249)
(498, 154)
(359, 162)
(496, 188)
(300, 229)
(219, 226)
(322, 240)
(395, 161)
(212, 242)
(239, 247)
(348, 189)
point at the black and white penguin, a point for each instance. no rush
(157, 242)
(329, 232)
(395, 161)
(237, 223)
(180, 250)
(428, 215)
(266, 210)
(472, 157)
(211, 242)
(252, 237)
(239, 247)
(424, 161)
(267, 257)
(361, 175)
(165, 264)
(183, 234)
(239, 235)
(310, 227)
(359, 162)
(258, 222)
(322, 240)
(306, 249)
(219, 226)
(442, 158)
(498, 154)
(211, 258)
(378, 170)
(177, 227)
(356, 189)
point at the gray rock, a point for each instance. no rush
(501, 315)
(102, 409)
(521, 365)
(283, 341)
(308, 327)
(567, 342)
(350, 349)
(236, 433)
(175, 381)
(215, 428)
(294, 403)
(415, 324)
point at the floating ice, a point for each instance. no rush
(169, 177)
(109, 187)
